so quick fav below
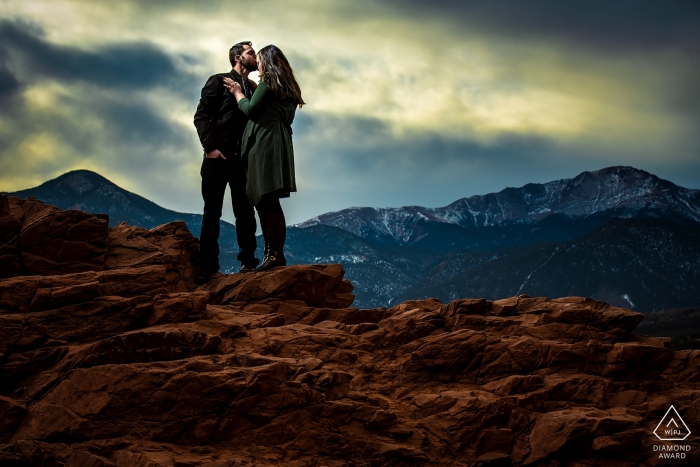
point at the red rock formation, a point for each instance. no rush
(109, 356)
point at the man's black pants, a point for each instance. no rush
(216, 174)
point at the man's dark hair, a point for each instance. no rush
(237, 49)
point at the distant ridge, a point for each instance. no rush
(589, 198)
(91, 192)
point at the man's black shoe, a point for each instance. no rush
(249, 265)
(203, 277)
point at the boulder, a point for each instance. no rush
(318, 285)
(171, 245)
(53, 241)
(40, 239)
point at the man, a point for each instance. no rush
(220, 125)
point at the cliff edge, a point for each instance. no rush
(111, 356)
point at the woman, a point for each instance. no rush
(267, 146)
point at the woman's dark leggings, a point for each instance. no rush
(274, 226)
(269, 204)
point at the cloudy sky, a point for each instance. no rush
(409, 102)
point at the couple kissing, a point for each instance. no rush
(246, 134)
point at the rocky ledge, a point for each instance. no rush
(110, 356)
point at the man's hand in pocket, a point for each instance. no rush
(214, 154)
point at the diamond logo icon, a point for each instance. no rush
(672, 427)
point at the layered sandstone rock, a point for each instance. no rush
(111, 357)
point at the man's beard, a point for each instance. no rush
(251, 67)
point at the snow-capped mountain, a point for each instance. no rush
(623, 192)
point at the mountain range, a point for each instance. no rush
(618, 234)
(554, 211)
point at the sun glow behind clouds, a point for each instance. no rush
(382, 78)
(414, 77)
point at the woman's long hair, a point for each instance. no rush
(278, 74)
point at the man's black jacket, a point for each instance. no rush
(218, 120)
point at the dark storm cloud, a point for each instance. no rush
(365, 147)
(435, 170)
(116, 71)
(131, 66)
(130, 127)
(139, 124)
(107, 102)
(637, 24)
(355, 129)
(8, 83)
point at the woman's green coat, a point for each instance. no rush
(267, 144)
